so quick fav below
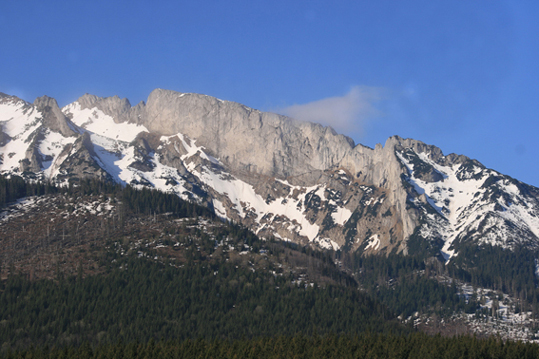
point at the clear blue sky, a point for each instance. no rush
(462, 75)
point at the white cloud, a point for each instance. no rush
(345, 113)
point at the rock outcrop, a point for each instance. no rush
(119, 109)
(53, 118)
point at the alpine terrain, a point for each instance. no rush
(295, 181)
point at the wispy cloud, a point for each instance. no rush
(344, 113)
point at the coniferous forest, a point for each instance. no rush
(164, 277)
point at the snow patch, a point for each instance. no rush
(326, 243)
(374, 242)
(97, 122)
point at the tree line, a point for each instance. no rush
(366, 345)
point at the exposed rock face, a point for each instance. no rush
(251, 144)
(119, 109)
(4, 138)
(247, 140)
(280, 177)
(79, 162)
(53, 118)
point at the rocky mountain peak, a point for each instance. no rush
(9, 99)
(432, 152)
(53, 117)
(119, 109)
(239, 136)
(3, 95)
(246, 139)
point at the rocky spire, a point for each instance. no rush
(53, 117)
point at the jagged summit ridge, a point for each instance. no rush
(294, 180)
(246, 139)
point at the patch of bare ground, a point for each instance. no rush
(57, 235)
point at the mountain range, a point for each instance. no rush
(295, 181)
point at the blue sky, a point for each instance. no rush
(462, 75)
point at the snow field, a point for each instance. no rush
(95, 121)
(458, 202)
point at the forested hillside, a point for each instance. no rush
(139, 299)
(102, 264)
(159, 267)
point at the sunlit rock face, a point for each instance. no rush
(282, 178)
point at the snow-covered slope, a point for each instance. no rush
(27, 143)
(463, 201)
(176, 163)
(333, 195)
